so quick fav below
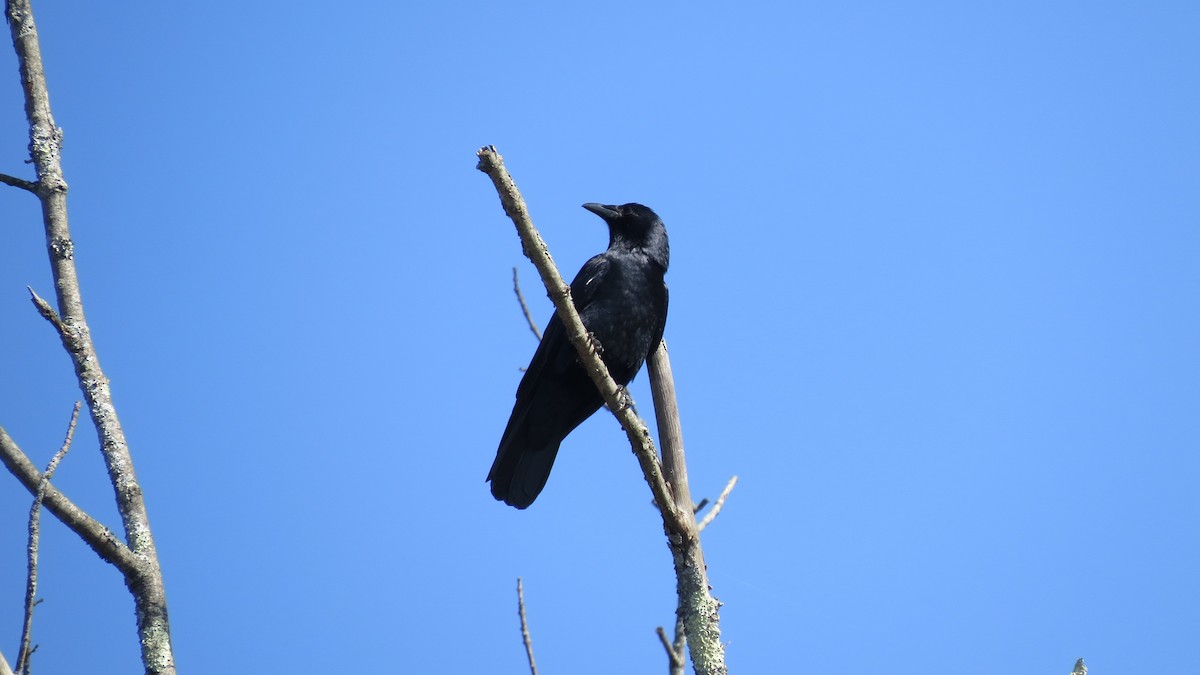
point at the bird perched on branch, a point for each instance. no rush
(622, 299)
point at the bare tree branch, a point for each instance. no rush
(680, 643)
(24, 185)
(696, 605)
(45, 144)
(670, 432)
(698, 609)
(4, 667)
(712, 513)
(34, 532)
(674, 655)
(537, 332)
(525, 627)
(96, 535)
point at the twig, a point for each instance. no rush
(18, 183)
(492, 164)
(525, 627)
(48, 313)
(537, 332)
(675, 658)
(34, 532)
(712, 513)
(680, 640)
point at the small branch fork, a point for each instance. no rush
(675, 656)
(667, 479)
(96, 535)
(675, 649)
(23, 652)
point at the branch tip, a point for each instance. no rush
(525, 627)
(712, 513)
(47, 312)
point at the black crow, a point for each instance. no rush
(621, 297)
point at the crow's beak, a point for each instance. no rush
(605, 212)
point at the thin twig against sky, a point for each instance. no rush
(23, 651)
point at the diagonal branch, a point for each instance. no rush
(18, 183)
(492, 164)
(34, 532)
(96, 535)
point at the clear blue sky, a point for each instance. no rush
(934, 299)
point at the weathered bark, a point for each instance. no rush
(144, 578)
(697, 607)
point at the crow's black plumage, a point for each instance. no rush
(621, 297)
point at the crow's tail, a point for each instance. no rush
(520, 471)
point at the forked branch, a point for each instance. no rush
(142, 573)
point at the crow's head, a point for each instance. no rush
(634, 227)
